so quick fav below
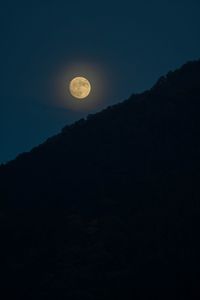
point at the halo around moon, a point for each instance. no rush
(79, 87)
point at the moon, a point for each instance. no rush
(80, 87)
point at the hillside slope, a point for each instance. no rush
(109, 208)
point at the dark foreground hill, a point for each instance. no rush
(110, 207)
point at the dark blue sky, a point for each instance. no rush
(122, 47)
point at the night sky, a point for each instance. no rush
(121, 47)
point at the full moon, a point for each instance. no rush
(80, 87)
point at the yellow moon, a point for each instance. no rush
(80, 87)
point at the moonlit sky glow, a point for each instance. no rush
(121, 47)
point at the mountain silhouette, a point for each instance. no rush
(110, 207)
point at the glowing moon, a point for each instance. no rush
(80, 87)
